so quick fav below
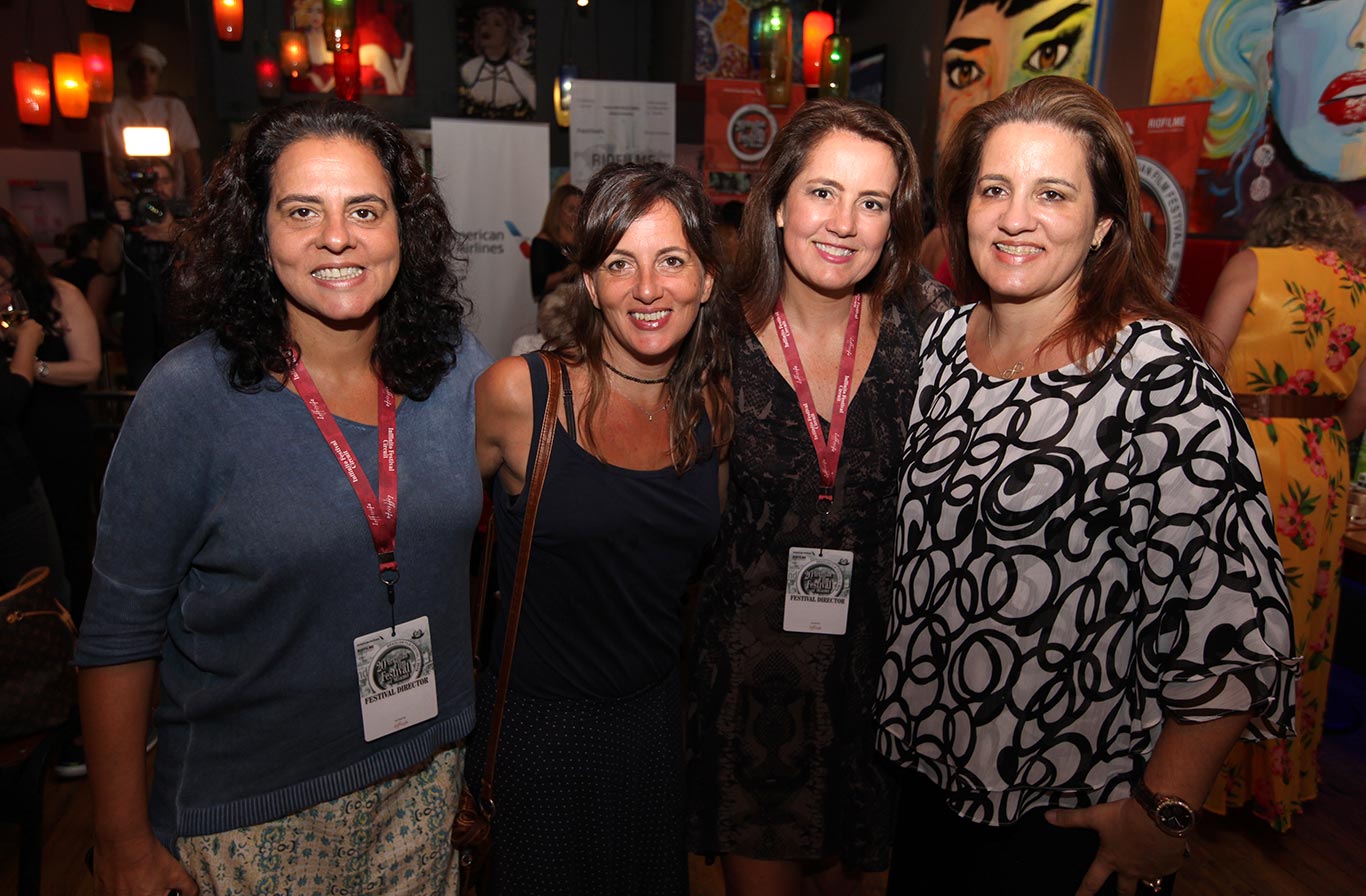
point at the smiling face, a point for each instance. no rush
(1032, 216)
(987, 52)
(332, 233)
(836, 215)
(1318, 90)
(649, 290)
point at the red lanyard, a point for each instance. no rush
(827, 453)
(381, 513)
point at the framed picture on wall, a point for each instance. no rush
(496, 45)
(867, 74)
(384, 37)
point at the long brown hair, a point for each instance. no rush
(761, 266)
(616, 197)
(1124, 277)
(550, 224)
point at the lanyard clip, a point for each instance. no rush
(826, 499)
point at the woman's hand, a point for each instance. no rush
(139, 866)
(1131, 845)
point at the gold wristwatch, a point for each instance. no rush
(1173, 816)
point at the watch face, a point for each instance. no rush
(1175, 816)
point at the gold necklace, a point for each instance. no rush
(1014, 370)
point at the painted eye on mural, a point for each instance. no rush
(960, 73)
(1050, 55)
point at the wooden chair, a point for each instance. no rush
(23, 766)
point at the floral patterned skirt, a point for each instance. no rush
(390, 838)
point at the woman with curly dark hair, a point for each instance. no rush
(310, 696)
(590, 790)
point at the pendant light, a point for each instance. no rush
(227, 17)
(776, 68)
(68, 78)
(32, 95)
(293, 54)
(98, 64)
(112, 5)
(816, 27)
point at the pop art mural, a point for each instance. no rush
(1286, 81)
(994, 45)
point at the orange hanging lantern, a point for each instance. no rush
(293, 53)
(68, 77)
(31, 93)
(98, 64)
(816, 27)
(227, 16)
(112, 5)
(775, 70)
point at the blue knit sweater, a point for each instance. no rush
(232, 548)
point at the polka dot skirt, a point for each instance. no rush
(589, 794)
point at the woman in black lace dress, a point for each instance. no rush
(783, 780)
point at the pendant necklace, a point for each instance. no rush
(649, 415)
(1014, 370)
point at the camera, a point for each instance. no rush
(148, 206)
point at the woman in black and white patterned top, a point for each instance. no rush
(1089, 606)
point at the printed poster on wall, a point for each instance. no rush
(383, 37)
(739, 129)
(620, 121)
(1167, 140)
(482, 167)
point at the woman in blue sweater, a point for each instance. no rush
(285, 537)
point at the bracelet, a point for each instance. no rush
(42, 369)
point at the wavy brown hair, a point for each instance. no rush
(225, 284)
(1123, 278)
(617, 196)
(1313, 215)
(761, 266)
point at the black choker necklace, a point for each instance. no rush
(636, 379)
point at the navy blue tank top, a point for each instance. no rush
(614, 551)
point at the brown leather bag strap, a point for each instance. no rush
(480, 597)
(533, 500)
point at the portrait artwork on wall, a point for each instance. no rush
(383, 35)
(991, 47)
(497, 51)
(1283, 81)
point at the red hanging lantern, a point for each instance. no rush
(112, 5)
(816, 27)
(68, 77)
(346, 69)
(293, 53)
(227, 16)
(269, 81)
(98, 64)
(31, 93)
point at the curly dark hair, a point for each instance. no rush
(1310, 214)
(1124, 276)
(30, 274)
(224, 283)
(616, 197)
(761, 264)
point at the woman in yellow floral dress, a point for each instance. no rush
(1290, 311)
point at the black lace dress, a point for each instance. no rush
(781, 759)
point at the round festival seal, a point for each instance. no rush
(750, 132)
(398, 662)
(820, 578)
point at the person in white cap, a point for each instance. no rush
(144, 107)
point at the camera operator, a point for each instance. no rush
(151, 222)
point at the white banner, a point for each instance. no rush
(620, 121)
(495, 178)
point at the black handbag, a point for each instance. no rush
(37, 642)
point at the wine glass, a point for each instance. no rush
(13, 308)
